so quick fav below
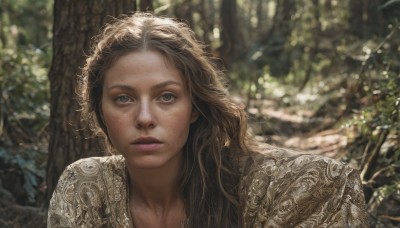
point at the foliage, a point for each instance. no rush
(26, 22)
(24, 95)
(25, 57)
(378, 120)
(25, 53)
(26, 166)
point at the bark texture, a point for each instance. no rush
(75, 23)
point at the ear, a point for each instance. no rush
(194, 116)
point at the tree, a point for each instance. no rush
(146, 5)
(207, 13)
(230, 33)
(75, 23)
(366, 18)
(185, 10)
(276, 38)
(315, 45)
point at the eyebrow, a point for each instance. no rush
(157, 86)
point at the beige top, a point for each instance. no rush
(279, 189)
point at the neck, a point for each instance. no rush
(155, 188)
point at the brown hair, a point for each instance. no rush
(210, 172)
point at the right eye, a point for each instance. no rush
(123, 99)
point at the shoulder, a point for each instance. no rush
(87, 192)
(90, 169)
(89, 173)
(283, 162)
(92, 164)
(288, 188)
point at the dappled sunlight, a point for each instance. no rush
(328, 143)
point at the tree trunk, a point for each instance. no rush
(75, 23)
(275, 39)
(184, 10)
(146, 5)
(207, 21)
(314, 49)
(366, 19)
(260, 15)
(230, 35)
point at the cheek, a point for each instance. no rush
(112, 122)
(116, 131)
(179, 123)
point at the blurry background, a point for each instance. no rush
(321, 76)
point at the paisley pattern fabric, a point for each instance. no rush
(91, 193)
(279, 188)
(285, 189)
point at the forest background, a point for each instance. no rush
(320, 76)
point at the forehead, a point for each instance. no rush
(148, 65)
(124, 55)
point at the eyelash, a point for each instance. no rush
(170, 95)
(119, 99)
(123, 99)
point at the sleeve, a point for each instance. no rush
(81, 197)
(350, 210)
(61, 211)
(306, 191)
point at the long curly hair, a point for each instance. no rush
(210, 178)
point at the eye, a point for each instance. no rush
(123, 99)
(167, 97)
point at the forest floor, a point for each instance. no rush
(305, 122)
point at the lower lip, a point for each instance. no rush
(147, 146)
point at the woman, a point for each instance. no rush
(181, 155)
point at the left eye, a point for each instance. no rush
(123, 99)
(167, 97)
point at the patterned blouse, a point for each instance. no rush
(279, 188)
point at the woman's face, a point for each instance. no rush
(147, 110)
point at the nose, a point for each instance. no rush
(145, 118)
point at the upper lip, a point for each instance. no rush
(146, 140)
